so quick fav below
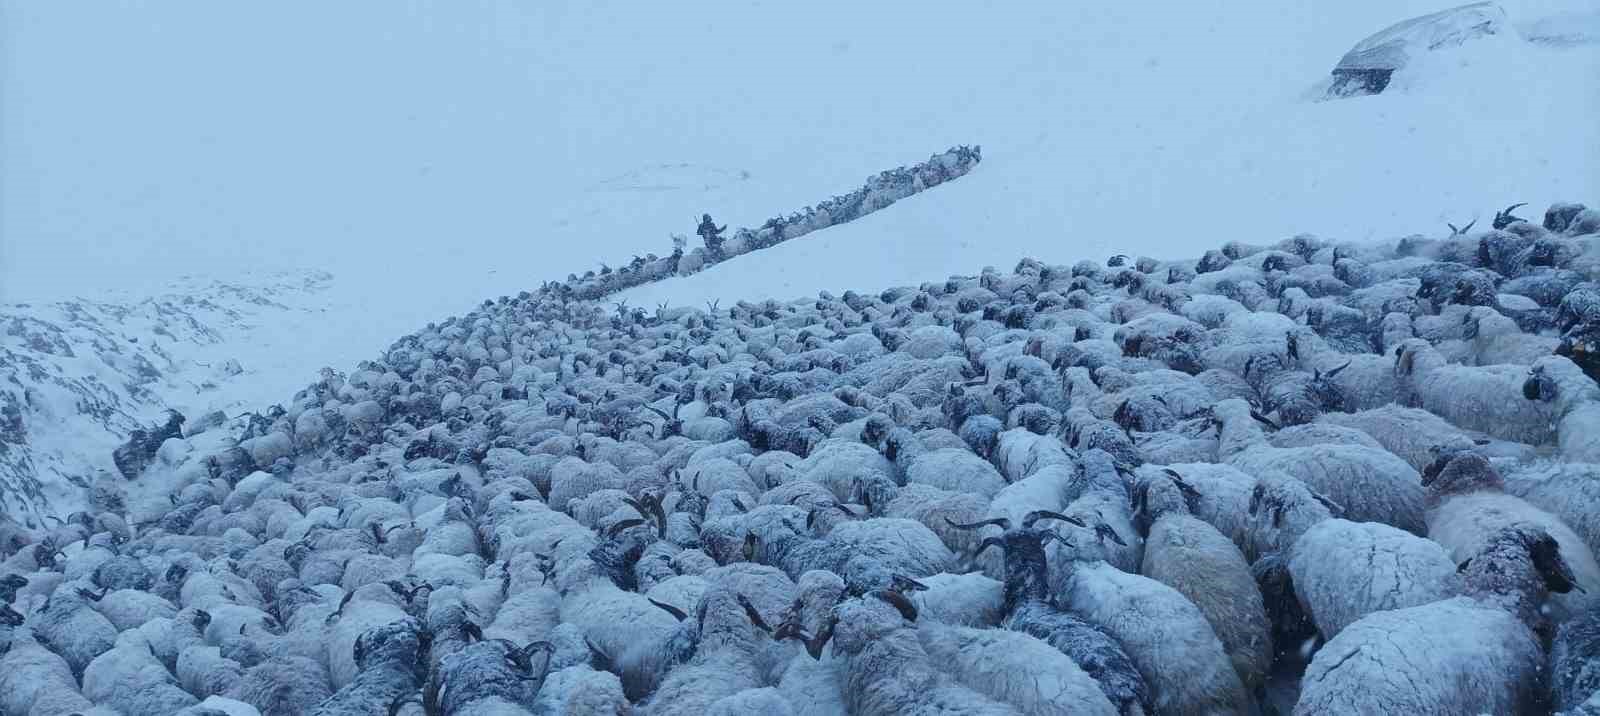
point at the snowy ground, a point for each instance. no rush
(432, 157)
(77, 375)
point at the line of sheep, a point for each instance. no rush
(1308, 477)
(879, 191)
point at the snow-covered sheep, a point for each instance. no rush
(492, 676)
(1202, 564)
(34, 679)
(1371, 485)
(728, 649)
(886, 670)
(69, 625)
(1411, 434)
(390, 658)
(1342, 571)
(1574, 401)
(1467, 505)
(1028, 609)
(1013, 668)
(1479, 398)
(1477, 653)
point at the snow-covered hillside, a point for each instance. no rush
(77, 376)
(418, 151)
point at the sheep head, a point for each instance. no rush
(1519, 567)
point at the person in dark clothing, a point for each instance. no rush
(711, 233)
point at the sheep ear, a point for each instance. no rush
(1403, 360)
(1558, 576)
(1463, 566)
(677, 613)
(360, 651)
(1256, 495)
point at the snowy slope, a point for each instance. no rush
(76, 376)
(432, 158)
(501, 144)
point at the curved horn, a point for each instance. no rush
(1000, 522)
(621, 525)
(754, 615)
(668, 608)
(899, 602)
(1036, 515)
(1104, 532)
(990, 542)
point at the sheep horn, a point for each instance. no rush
(1258, 417)
(1335, 371)
(473, 630)
(899, 602)
(1104, 532)
(990, 542)
(621, 525)
(1000, 522)
(755, 616)
(674, 611)
(1036, 515)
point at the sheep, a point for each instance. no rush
(1494, 339)
(731, 634)
(33, 679)
(282, 687)
(1467, 505)
(1202, 564)
(1027, 609)
(494, 669)
(1410, 433)
(1479, 398)
(1371, 485)
(1013, 668)
(69, 625)
(1575, 663)
(1570, 492)
(1341, 571)
(1471, 654)
(886, 670)
(391, 661)
(1574, 401)
(1165, 635)
(947, 469)
(1220, 496)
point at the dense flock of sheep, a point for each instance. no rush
(1306, 477)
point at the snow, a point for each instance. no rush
(81, 374)
(506, 143)
(430, 159)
